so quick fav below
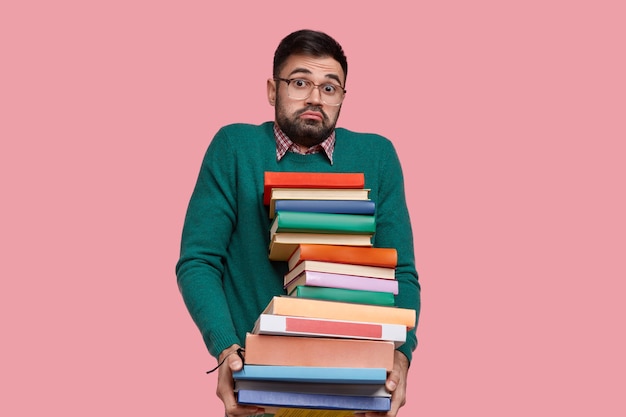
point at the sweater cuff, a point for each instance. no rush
(406, 350)
(216, 342)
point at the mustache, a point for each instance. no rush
(313, 108)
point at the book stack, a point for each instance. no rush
(343, 273)
(312, 357)
(317, 208)
(325, 348)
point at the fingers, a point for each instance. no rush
(396, 384)
(240, 411)
(226, 386)
(225, 392)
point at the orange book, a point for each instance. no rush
(310, 180)
(318, 351)
(382, 257)
(337, 310)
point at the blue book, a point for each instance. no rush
(327, 206)
(312, 374)
(321, 401)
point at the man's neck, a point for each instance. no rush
(303, 148)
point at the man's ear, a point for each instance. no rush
(271, 91)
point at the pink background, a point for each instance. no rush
(509, 118)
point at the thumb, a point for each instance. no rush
(392, 382)
(234, 362)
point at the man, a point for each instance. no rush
(224, 273)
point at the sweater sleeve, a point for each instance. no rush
(209, 223)
(393, 229)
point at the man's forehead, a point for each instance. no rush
(313, 65)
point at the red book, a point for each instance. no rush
(310, 180)
(318, 351)
(349, 329)
(384, 257)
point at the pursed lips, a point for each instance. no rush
(312, 115)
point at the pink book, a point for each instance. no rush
(351, 282)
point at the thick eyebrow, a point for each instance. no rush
(307, 71)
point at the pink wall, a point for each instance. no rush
(510, 123)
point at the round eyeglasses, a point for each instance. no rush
(301, 89)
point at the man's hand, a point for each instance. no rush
(396, 384)
(226, 385)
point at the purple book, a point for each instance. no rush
(327, 206)
(351, 282)
(321, 401)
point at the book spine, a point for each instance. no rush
(344, 294)
(362, 207)
(318, 351)
(271, 324)
(370, 256)
(302, 400)
(282, 245)
(334, 310)
(333, 375)
(288, 179)
(350, 282)
(313, 327)
(372, 390)
(293, 221)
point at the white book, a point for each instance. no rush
(283, 245)
(272, 324)
(340, 268)
(316, 194)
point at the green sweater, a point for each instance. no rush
(224, 274)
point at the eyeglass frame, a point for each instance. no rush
(289, 80)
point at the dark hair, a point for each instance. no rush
(309, 42)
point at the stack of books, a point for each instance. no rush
(343, 273)
(321, 356)
(325, 348)
(317, 208)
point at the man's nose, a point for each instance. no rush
(316, 96)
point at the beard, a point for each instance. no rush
(305, 132)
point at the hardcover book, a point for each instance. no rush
(304, 222)
(370, 390)
(282, 245)
(315, 194)
(367, 207)
(339, 268)
(331, 375)
(343, 294)
(323, 401)
(318, 351)
(351, 282)
(305, 307)
(382, 257)
(273, 179)
(270, 324)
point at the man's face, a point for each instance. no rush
(307, 121)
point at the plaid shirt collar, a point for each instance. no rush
(284, 145)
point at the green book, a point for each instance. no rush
(344, 295)
(310, 222)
